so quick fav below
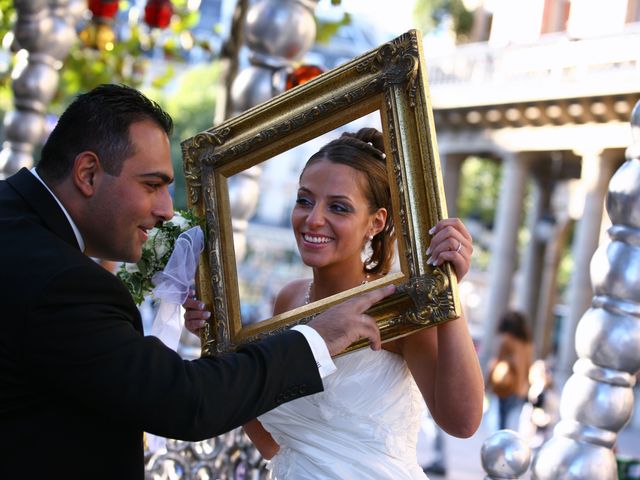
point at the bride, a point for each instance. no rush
(364, 424)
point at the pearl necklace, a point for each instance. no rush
(307, 296)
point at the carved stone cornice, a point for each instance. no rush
(552, 112)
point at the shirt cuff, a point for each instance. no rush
(319, 350)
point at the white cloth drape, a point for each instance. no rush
(172, 286)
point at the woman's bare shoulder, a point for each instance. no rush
(291, 295)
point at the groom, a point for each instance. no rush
(79, 383)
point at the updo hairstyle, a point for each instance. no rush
(364, 152)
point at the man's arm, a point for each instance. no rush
(88, 352)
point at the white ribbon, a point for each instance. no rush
(172, 286)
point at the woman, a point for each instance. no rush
(509, 371)
(365, 423)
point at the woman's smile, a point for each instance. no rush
(314, 240)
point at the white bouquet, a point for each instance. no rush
(156, 252)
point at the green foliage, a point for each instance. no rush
(128, 62)
(326, 30)
(7, 19)
(156, 252)
(477, 201)
(479, 189)
(429, 14)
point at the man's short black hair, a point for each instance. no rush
(98, 121)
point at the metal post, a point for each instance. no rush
(597, 400)
(44, 31)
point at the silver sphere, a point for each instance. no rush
(33, 32)
(596, 403)
(243, 197)
(252, 86)
(13, 158)
(635, 123)
(614, 270)
(609, 339)
(23, 126)
(280, 28)
(505, 455)
(623, 203)
(564, 458)
(35, 86)
(30, 6)
(63, 36)
(244, 192)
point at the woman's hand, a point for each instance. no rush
(195, 315)
(451, 242)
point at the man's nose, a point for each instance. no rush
(164, 205)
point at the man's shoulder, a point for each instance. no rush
(37, 259)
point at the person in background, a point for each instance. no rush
(541, 411)
(509, 370)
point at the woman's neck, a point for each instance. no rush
(327, 282)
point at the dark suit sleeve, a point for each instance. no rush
(88, 352)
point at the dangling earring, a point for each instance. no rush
(367, 251)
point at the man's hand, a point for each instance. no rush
(343, 324)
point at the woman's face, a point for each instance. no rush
(331, 219)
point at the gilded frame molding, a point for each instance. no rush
(391, 79)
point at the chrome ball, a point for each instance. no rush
(252, 86)
(609, 339)
(30, 6)
(623, 203)
(35, 86)
(566, 459)
(505, 455)
(63, 36)
(24, 126)
(614, 268)
(281, 28)
(596, 403)
(13, 158)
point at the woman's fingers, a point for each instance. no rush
(451, 242)
(195, 316)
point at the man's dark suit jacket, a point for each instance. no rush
(79, 382)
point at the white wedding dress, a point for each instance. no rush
(363, 426)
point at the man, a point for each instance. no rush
(79, 383)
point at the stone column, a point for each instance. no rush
(504, 251)
(451, 166)
(540, 226)
(596, 172)
(544, 325)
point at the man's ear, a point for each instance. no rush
(86, 168)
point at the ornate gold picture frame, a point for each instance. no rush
(391, 79)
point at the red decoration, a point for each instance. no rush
(302, 74)
(106, 9)
(157, 13)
